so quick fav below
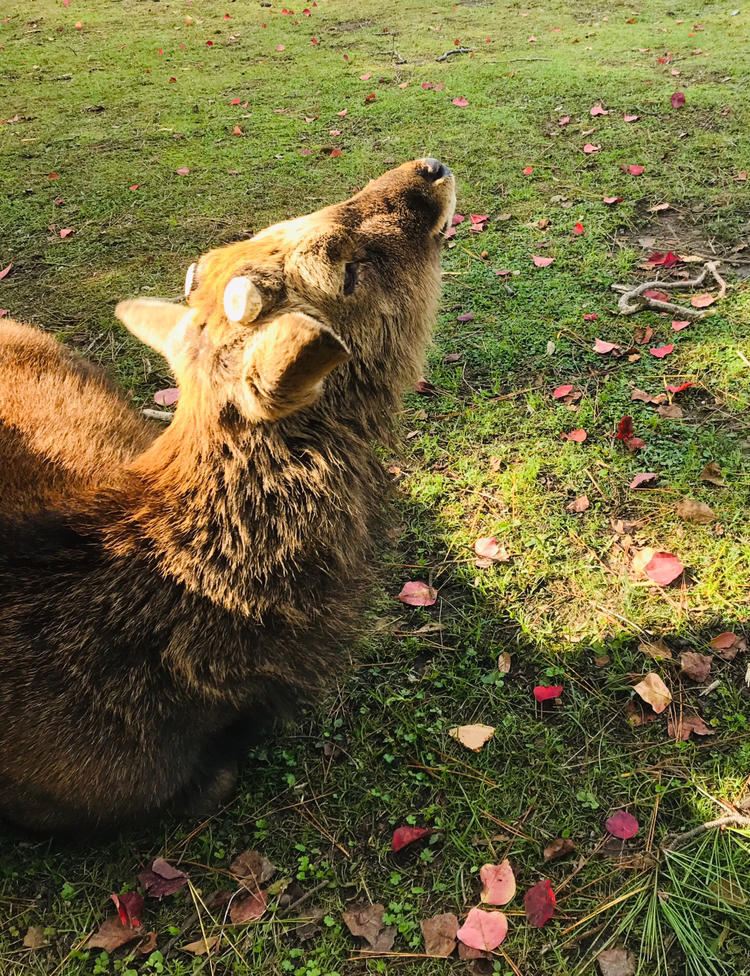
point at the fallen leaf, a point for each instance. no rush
(661, 351)
(657, 650)
(498, 883)
(598, 110)
(590, 148)
(680, 388)
(603, 347)
(5, 271)
(579, 436)
(367, 923)
(439, 933)
(129, 906)
(658, 296)
(558, 847)
(252, 869)
(504, 662)
(237, 131)
(365, 77)
(702, 301)
(528, 171)
(466, 317)
(644, 478)
(490, 549)
(472, 736)
(630, 118)
(617, 962)
(424, 387)
(694, 511)
(611, 200)
(658, 207)
(728, 645)
(636, 716)
(564, 120)
(201, 946)
(623, 825)
(403, 836)
(562, 391)
(248, 909)
(541, 262)
(581, 504)
(680, 729)
(483, 930)
(162, 879)
(578, 229)
(670, 411)
(183, 171)
(663, 568)
(712, 473)
(635, 170)
(544, 693)
(625, 431)
(539, 902)
(335, 153)
(112, 935)
(695, 666)
(168, 397)
(590, 316)
(654, 692)
(66, 232)
(35, 938)
(677, 100)
(416, 594)
(461, 102)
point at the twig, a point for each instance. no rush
(165, 415)
(633, 299)
(677, 840)
(455, 50)
(508, 60)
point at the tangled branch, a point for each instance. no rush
(633, 299)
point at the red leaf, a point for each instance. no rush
(403, 836)
(478, 218)
(498, 883)
(663, 568)
(370, 98)
(487, 547)
(545, 692)
(661, 351)
(579, 436)
(603, 347)
(280, 47)
(590, 316)
(680, 388)
(611, 200)
(3, 311)
(129, 907)
(235, 101)
(598, 110)
(135, 186)
(663, 260)
(635, 170)
(365, 77)
(677, 100)
(236, 131)
(53, 176)
(483, 930)
(643, 479)
(5, 271)
(578, 229)
(461, 102)
(590, 148)
(679, 326)
(168, 397)
(66, 232)
(634, 443)
(466, 317)
(562, 391)
(343, 112)
(630, 118)
(248, 909)
(723, 641)
(623, 825)
(183, 171)
(335, 153)
(541, 262)
(625, 429)
(416, 594)
(658, 296)
(528, 171)
(564, 120)
(162, 879)
(702, 301)
(539, 903)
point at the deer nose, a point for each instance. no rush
(434, 170)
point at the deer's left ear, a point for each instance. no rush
(166, 327)
(287, 364)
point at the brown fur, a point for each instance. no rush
(164, 597)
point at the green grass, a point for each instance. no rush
(321, 799)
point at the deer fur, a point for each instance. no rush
(164, 597)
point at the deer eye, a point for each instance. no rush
(351, 277)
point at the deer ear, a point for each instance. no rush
(165, 326)
(288, 362)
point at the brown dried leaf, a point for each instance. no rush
(439, 934)
(636, 716)
(654, 692)
(658, 650)
(113, 934)
(681, 730)
(248, 909)
(694, 511)
(670, 411)
(503, 663)
(252, 869)
(34, 938)
(472, 736)
(581, 504)
(366, 922)
(558, 847)
(616, 962)
(695, 666)
(202, 946)
(712, 473)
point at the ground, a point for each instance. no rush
(119, 124)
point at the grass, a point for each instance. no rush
(97, 107)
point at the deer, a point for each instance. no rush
(167, 594)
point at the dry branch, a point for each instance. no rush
(671, 841)
(455, 50)
(633, 299)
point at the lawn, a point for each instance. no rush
(151, 132)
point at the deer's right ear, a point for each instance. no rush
(166, 327)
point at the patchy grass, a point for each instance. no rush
(97, 107)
